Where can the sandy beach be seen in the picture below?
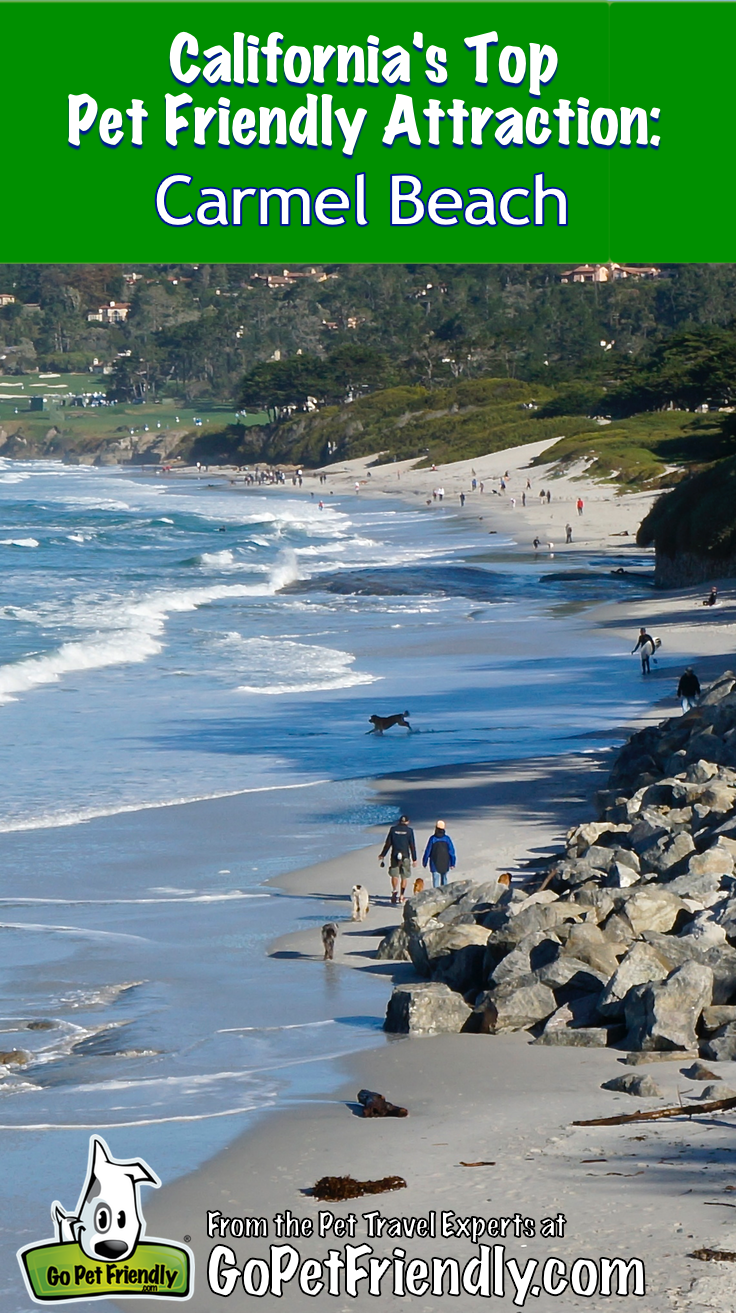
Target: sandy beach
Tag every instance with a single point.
(503, 1107)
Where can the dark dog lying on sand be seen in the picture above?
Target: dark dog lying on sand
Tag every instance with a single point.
(329, 935)
(380, 723)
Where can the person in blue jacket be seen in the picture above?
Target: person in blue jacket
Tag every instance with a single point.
(439, 854)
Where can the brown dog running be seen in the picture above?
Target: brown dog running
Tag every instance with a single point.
(418, 885)
(380, 723)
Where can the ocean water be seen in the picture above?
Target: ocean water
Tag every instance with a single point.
(166, 641)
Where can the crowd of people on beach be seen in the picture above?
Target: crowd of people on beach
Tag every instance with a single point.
(400, 846)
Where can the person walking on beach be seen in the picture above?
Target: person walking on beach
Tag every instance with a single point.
(580, 504)
(462, 500)
(400, 842)
(645, 645)
(568, 533)
(688, 689)
(523, 499)
(439, 854)
(549, 496)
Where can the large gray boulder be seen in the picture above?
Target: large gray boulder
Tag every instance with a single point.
(599, 857)
(653, 908)
(705, 930)
(719, 690)
(703, 887)
(420, 944)
(514, 1009)
(621, 875)
(674, 950)
(568, 975)
(718, 797)
(462, 970)
(722, 962)
(587, 942)
(450, 939)
(714, 1017)
(644, 1087)
(581, 1011)
(516, 966)
(664, 1015)
(721, 1046)
(640, 965)
(583, 837)
(666, 852)
(425, 906)
(579, 1037)
(394, 947)
(425, 1009)
(716, 861)
(536, 919)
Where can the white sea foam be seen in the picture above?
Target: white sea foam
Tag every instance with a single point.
(219, 560)
(97, 997)
(69, 930)
(18, 542)
(297, 1025)
(81, 816)
(141, 1121)
(278, 666)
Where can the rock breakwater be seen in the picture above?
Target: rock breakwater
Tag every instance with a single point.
(631, 938)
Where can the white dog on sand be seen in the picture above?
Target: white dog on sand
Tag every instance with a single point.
(361, 902)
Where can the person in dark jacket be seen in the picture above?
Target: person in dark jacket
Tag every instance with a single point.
(688, 689)
(400, 842)
(645, 643)
(439, 854)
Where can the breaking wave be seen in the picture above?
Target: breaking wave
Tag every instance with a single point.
(132, 630)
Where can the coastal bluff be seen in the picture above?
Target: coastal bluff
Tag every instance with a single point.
(630, 939)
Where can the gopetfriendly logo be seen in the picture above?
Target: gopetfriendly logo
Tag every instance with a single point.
(99, 1250)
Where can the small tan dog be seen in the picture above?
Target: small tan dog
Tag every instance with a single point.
(418, 885)
(361, 902)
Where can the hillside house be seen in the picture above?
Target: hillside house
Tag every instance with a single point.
(115, 312)
(607, 273)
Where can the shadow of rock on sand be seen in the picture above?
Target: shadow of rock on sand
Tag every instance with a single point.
(558, 787)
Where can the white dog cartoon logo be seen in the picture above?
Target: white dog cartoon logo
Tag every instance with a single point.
(108, 1221)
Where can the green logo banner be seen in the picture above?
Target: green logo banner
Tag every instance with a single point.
(367, 133)
(58, 1272)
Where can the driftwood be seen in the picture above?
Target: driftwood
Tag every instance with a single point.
(482, 1163)
(344, 1187)
(657, 1114)
(374, 1105)
(714, 1255)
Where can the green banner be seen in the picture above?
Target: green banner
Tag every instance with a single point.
(367, 133)
(57, 1272)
